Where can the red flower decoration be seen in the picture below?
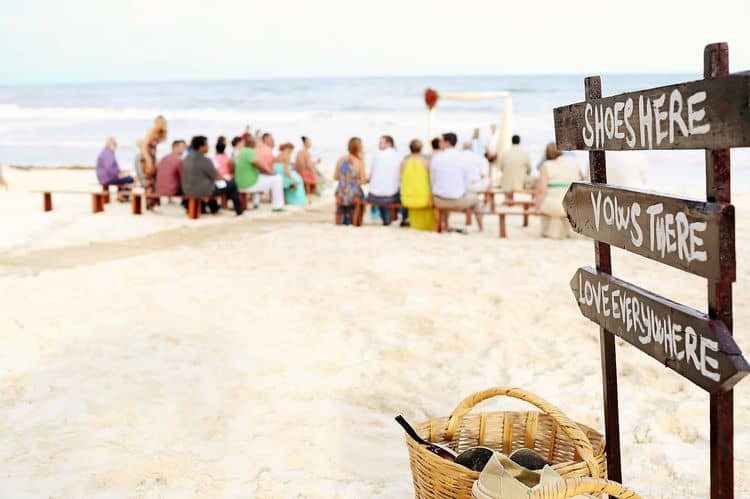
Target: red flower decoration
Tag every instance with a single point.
(430, 98)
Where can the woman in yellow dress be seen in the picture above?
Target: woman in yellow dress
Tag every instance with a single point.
(416, 195)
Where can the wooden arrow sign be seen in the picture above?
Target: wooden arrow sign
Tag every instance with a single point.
(703, 114)
(685, 340)
(693, 236)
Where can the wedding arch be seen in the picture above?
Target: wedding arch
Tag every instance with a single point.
(431, 98)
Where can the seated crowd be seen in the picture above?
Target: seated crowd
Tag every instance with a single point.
(187, 171)
(449, 179)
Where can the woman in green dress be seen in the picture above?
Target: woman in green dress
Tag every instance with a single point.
(294, 187)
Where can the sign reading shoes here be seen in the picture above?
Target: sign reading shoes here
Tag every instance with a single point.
(705, 114)
(690, 235)
(685, 340)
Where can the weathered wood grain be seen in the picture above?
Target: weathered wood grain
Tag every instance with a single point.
(694, 236)
(687, 341)
(726, 122)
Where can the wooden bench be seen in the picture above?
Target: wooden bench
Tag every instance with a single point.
(195, 206)
(501, 219)
(489, 198)
(441, 215)
(359, 210)
(98, 198)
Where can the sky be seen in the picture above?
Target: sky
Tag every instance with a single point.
(51, 41)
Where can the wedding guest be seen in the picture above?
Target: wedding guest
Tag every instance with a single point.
(145, 162)
(237, 144)
(169, 171)
(200, 178)
(479, 169)
(221, 160)
(385, 177)
(515, 165)
(264, 150)
(305, 166)
(416, 195)
(108, 171)
(294, 186)
(477, 143)
(254, 177)
(451, 179)
(350, 174)
(555, 176)
(491, 147)
(435, 145)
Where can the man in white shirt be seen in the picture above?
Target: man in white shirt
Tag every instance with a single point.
(451, 176)
(385, 176)
(479, 169)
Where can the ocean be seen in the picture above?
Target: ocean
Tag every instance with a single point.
(67, 124)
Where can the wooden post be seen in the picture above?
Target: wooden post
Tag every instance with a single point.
(718, 189)
(598, 171)
(136, 204)
(194, 208)
(501, 223)
(97, 202)
(47, 196)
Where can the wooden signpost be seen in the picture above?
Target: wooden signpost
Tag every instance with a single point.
(694, 236)
(678, 232)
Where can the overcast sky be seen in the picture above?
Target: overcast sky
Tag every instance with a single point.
(48, 41)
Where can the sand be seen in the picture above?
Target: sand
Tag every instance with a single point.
(266, 356)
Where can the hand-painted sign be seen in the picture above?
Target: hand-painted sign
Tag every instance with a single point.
(685, 234)
(704, 114)
(685, 340)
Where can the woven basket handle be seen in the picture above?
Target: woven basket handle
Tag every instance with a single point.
(579, 439)
(576, 486)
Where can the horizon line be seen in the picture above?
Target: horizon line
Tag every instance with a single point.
(322, 77)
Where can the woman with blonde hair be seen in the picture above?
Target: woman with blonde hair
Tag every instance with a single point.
(350, 173)
(416, 195)
(555, 176)
(145, 161)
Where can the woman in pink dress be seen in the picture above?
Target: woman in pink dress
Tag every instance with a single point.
(221, 160)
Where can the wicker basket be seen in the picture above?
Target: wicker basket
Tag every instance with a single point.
(576, 486)
(574, 450)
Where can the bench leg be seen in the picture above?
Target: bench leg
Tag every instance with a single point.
(525, 220)
(501, 224)
(224, 201)
(394, 214)
(136, 204)
(438, 221)
(105, 191)
(194, 208)
(97, 202)
(47, 201)
(358, 214)
(468, 217)
(243, 200)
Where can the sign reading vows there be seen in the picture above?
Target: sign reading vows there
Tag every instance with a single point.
(704, 114)
(685, 340)
(685, 234)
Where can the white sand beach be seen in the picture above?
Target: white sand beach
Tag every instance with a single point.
(266, 355)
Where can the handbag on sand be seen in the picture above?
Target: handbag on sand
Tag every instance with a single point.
(573, 450)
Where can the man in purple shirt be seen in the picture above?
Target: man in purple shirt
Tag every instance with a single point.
(108, 171)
